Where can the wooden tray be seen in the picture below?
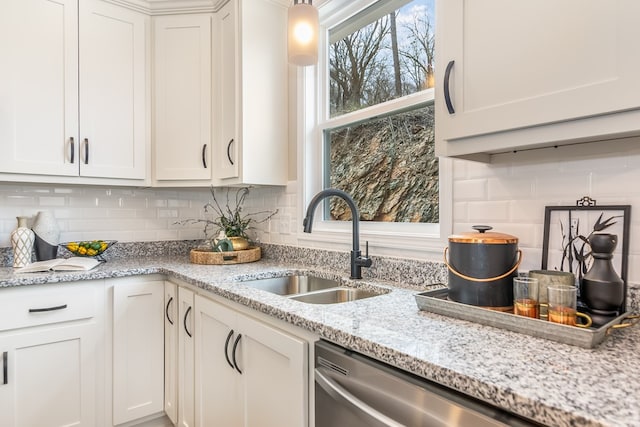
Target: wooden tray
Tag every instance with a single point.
(437, 301)
(251, 254)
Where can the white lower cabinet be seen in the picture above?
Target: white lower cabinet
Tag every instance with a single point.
(138, 349)
(171, 351)
(51, 355)
(186, 338)
(247, 373)
(123, 351)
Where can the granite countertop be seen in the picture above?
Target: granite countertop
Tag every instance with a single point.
(554, 384)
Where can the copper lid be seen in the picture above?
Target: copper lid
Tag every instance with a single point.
(483, 236)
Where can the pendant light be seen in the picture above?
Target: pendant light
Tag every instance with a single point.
(302, 31)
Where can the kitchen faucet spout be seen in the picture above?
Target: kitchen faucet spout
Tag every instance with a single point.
(357, 260)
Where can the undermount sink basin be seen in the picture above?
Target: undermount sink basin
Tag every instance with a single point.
(292, 285)
(334, 296)
(312, 290)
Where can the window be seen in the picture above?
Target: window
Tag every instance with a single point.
(373, 132)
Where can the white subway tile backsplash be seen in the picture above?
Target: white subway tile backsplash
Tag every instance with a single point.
(168, 213)
(549, 187)
(78, 201)
(488, 212)
(19, 200)
(460, 212)
(178, 203)
(51, 201)
(121, 213)
(471, 189)
(526, 211)
(510, 189)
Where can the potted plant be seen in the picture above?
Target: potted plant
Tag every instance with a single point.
(229, 223)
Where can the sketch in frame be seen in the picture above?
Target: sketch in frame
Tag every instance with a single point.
(568, 228)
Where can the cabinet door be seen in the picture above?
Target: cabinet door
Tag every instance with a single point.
(226, 155)
(186, 388)
(182, 97)
(252, 145)
(39, 87)
(50, 376)
(171, 351)
(520, 64)
(218, 394)
(274, 376)
(138, 343)
(113, 122)
(263, 147)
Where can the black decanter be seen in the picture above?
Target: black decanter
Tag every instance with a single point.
(602, 289)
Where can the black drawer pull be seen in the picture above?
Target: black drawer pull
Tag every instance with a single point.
(5, 370)
(447, 94)
(86, 151)
(185, 321)
(40, 310)
(235, 346)
(226, 348)
(73, 150)
(204, 156)
(166, 311)
(229, 151)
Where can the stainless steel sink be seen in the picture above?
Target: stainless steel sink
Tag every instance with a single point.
(291, 285)
(336, 295)
(311, 289)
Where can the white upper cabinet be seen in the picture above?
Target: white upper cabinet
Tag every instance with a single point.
(113, 66)
(73, 89)
(251, 125)
(39, 87)
(516, 75)
(182, 97)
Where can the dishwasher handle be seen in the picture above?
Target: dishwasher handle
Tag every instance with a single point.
(339, 393)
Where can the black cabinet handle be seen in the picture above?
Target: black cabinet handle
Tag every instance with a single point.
(72, 156)
(86, 151)
(5, 370)
(166, 310)
(229, 151)
(185, 321)
(235, 347)
(40, 310)
(447, 95)
(226, 348)
(204, 159)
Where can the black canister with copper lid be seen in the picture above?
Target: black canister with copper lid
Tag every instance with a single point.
(482, 265)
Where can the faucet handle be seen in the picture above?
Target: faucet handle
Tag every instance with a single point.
(365, 261)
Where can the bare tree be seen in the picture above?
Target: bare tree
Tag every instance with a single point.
(394, 54)
(419, 53)
(353, 63)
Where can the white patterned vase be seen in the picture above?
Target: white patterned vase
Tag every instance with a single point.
(47, 236)
(22, 239)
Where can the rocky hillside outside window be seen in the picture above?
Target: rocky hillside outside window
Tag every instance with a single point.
(379, 128)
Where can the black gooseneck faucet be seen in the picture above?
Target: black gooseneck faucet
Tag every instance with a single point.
(357, 260)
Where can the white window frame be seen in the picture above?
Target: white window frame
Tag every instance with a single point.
(407, 240)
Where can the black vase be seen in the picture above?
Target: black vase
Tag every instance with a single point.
(602, 289)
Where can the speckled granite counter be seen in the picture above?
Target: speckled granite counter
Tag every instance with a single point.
(552, 383)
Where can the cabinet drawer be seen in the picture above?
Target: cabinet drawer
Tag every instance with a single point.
(23, 307)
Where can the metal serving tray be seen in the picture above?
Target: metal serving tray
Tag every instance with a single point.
(436, 301)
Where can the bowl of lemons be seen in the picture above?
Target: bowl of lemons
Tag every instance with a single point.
(89, 248)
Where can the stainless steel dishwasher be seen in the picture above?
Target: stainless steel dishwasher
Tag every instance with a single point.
(354, 390)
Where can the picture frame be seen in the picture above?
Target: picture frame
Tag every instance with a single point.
(566, 231)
